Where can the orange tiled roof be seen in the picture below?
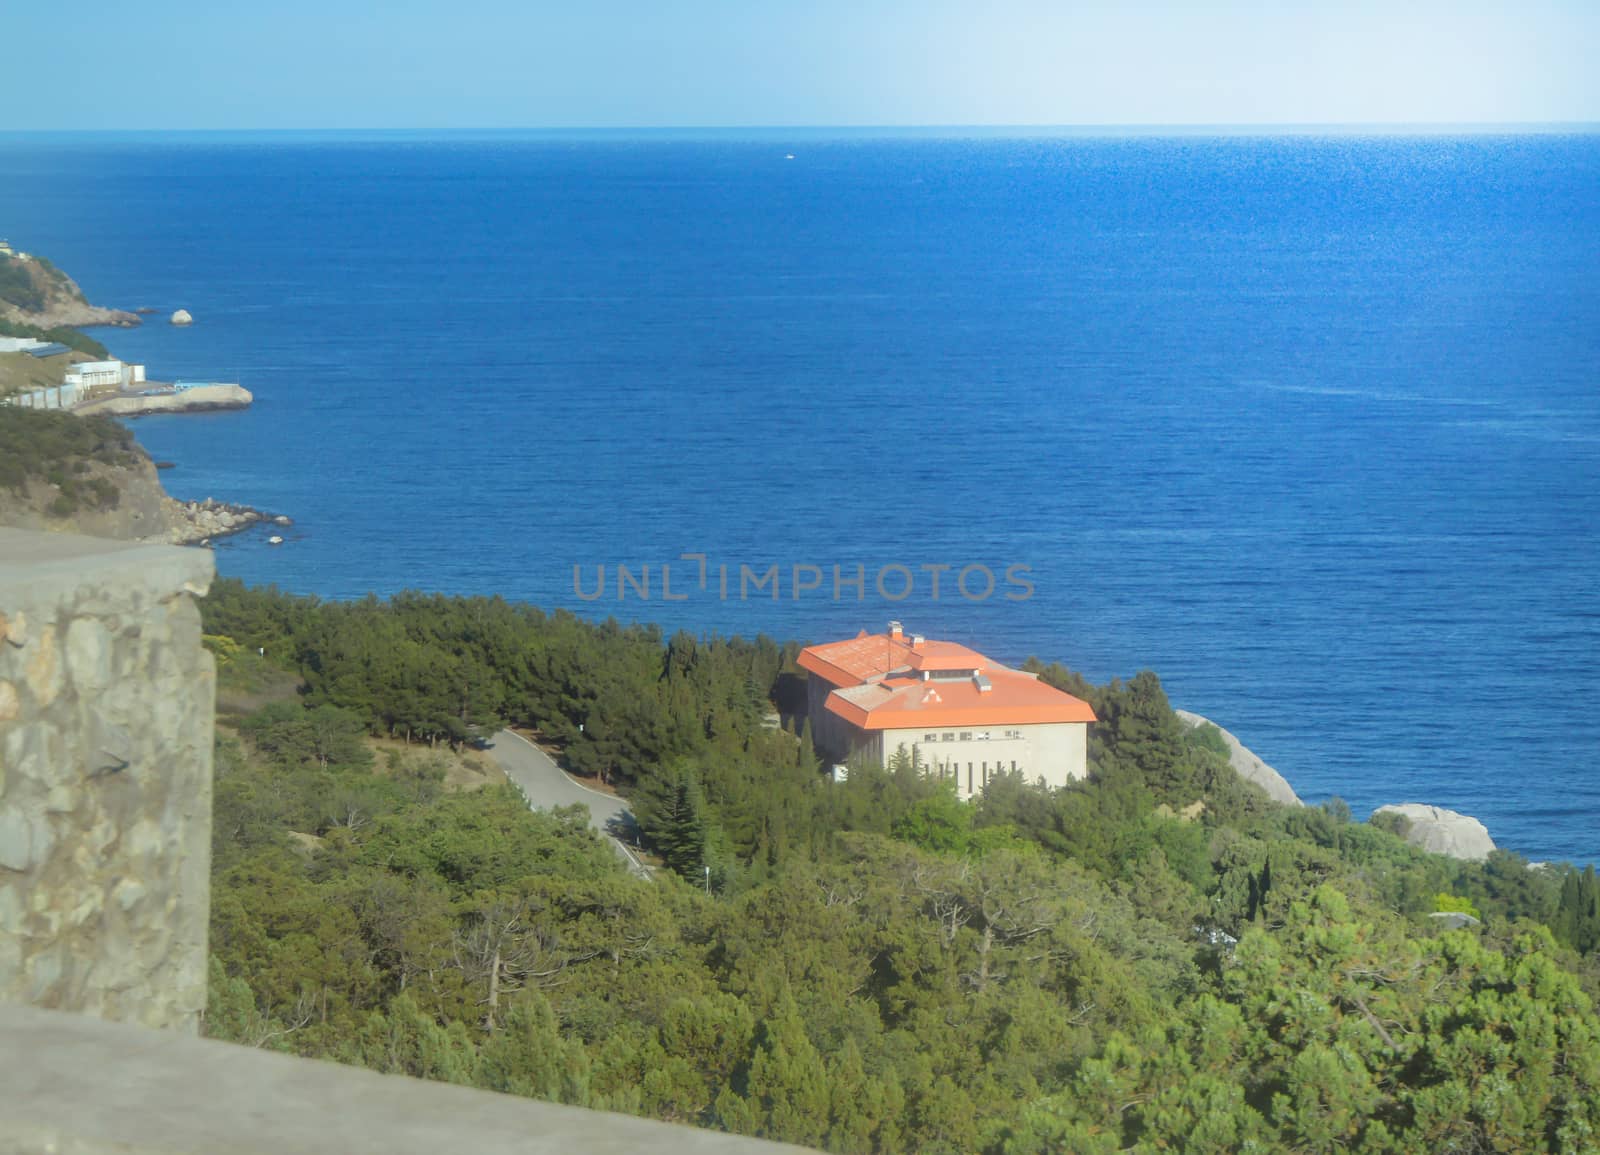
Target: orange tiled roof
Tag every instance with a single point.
(870, 699)
(856, 660)
(945, 656)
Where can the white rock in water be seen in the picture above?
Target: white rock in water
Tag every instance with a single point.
(274, 540)
(181, 317)
(1441, 831)
(1245, 763)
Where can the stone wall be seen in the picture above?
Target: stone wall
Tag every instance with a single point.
(106, 700)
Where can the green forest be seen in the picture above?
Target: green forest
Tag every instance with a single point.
(869, 965)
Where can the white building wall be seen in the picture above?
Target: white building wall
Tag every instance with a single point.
(99, 372)
(54, 397)
(1057, 752)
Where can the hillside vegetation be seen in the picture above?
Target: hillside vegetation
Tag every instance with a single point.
(871, 965)
(60, 334)
(68, 454)
(32, 285)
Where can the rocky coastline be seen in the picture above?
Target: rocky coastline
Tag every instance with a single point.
(1430, 828)
(1441, 831)
(72, 315)
(143, 510)
(56, 300)
(202, 522)
(1245, 763)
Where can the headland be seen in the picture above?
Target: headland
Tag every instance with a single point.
(71, 467)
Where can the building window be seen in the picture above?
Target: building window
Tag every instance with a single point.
(930, 737)
(949, 736)
(966, 735)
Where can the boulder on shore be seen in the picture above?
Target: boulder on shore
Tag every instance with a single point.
(182, 317)
(1246, 764)
(1440, 831)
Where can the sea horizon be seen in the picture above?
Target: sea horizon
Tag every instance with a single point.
(764, 132)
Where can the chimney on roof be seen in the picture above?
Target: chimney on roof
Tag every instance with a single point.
(894, 630)
(981, 682)
(916, 641)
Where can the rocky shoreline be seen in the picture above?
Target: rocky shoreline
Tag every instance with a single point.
(73, 315)
(202, 522)
(1430, 828)
(1245, 763)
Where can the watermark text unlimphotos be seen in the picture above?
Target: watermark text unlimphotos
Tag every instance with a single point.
(693, 575)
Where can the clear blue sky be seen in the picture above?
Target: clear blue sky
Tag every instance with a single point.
(586, 63)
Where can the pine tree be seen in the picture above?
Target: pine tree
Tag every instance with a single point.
(528, 1056)
(788, 1082)
(806, 758)
(671, 811)
(1577, 918)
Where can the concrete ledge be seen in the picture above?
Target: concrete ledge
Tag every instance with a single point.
(70, 1083)
(198, 399)
(45, 570)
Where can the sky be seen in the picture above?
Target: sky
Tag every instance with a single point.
(440, 64)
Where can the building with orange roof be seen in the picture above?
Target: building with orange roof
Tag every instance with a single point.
(964, 716)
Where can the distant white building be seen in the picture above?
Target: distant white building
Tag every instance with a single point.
(96, 374)
(92, 373)
(20, 344)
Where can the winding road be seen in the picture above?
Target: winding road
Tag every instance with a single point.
(546, 786)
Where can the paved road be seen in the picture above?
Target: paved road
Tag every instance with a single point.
(546, 786)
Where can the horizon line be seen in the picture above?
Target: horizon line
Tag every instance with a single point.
(1424, 127)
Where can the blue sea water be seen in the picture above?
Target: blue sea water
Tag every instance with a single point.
(1307, 424)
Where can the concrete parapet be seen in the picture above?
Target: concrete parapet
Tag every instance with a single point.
(74, 1084)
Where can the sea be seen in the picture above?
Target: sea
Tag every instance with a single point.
(1306, 422)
